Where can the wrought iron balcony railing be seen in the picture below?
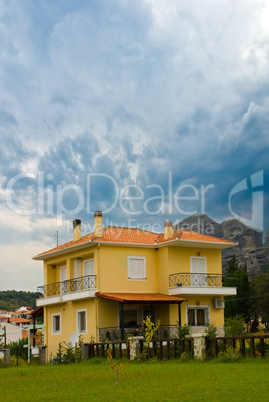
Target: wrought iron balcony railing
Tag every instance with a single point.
(68, 286)
(195, 279)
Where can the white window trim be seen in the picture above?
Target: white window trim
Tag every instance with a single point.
(137, 258)
(201, 307)
(80, 311)
(52, 324)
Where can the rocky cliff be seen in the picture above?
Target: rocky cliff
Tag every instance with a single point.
(250, 248)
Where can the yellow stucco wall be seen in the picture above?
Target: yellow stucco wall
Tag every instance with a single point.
(179, 259)
(114, 273)
(216, 316)
(68, 312)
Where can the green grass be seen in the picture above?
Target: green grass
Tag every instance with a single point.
(172, 380)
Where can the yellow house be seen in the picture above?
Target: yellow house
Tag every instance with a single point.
(105, 283)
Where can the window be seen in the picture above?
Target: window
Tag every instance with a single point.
(82, 321)
(197, 316)
(136, 268)
(56, 323)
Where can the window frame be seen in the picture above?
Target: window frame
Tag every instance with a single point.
(206, 309)
(53, 316)
(83, 310)
(137, 278)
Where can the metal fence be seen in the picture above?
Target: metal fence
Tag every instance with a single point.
(68, 286)
(195, 279)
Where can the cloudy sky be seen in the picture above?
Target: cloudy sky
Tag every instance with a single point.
(145, 109)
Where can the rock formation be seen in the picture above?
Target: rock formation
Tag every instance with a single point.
(250, 248)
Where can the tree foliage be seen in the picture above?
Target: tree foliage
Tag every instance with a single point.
(259, 294)
(11, 300)
(237, 277)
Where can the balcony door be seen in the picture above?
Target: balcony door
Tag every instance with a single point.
(198, 271)
(63, 279)
(88, 273)
(77, 283)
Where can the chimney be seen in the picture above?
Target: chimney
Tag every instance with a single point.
(98, 225)
(168, 230)
(76, 229)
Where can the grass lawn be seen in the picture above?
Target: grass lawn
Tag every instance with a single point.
(172, 380)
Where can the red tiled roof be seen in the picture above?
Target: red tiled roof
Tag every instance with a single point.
(140, 297)
(19, 320)
(138, 236)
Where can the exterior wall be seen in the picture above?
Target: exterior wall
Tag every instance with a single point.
(179, 259)
(68, 313)
(108, 311)
(163, 313)
(114, 273)
(13, 332)
(216, 316)
(162, 272)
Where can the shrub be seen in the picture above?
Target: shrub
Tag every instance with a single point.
(183, 331)
(230, 355)
(235, 325)
(211, 331)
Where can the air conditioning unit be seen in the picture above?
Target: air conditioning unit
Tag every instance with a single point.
(219, 303)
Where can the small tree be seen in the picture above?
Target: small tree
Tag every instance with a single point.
(151, 329)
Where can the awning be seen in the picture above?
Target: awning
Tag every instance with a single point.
(38, 312)
(141, 297)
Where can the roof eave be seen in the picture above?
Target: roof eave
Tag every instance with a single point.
(202, 243)
(178, 242)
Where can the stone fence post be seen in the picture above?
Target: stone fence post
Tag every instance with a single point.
(7, 357)
(134, 346)
(42, 355)
(85, 351)
(199, 346)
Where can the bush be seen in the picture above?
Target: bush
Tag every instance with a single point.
(230, 355)
(183, 331)
(235, 325)
(67, 354)
(211, 331)
(18, 349)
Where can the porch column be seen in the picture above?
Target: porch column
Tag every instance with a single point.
(179, 313)
(34, 331)
(152, 312)
(121, 321)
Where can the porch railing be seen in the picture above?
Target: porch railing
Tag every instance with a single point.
(195, 279)
(69, 286)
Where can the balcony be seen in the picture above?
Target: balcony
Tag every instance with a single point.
(198, 284)
(72, 289)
